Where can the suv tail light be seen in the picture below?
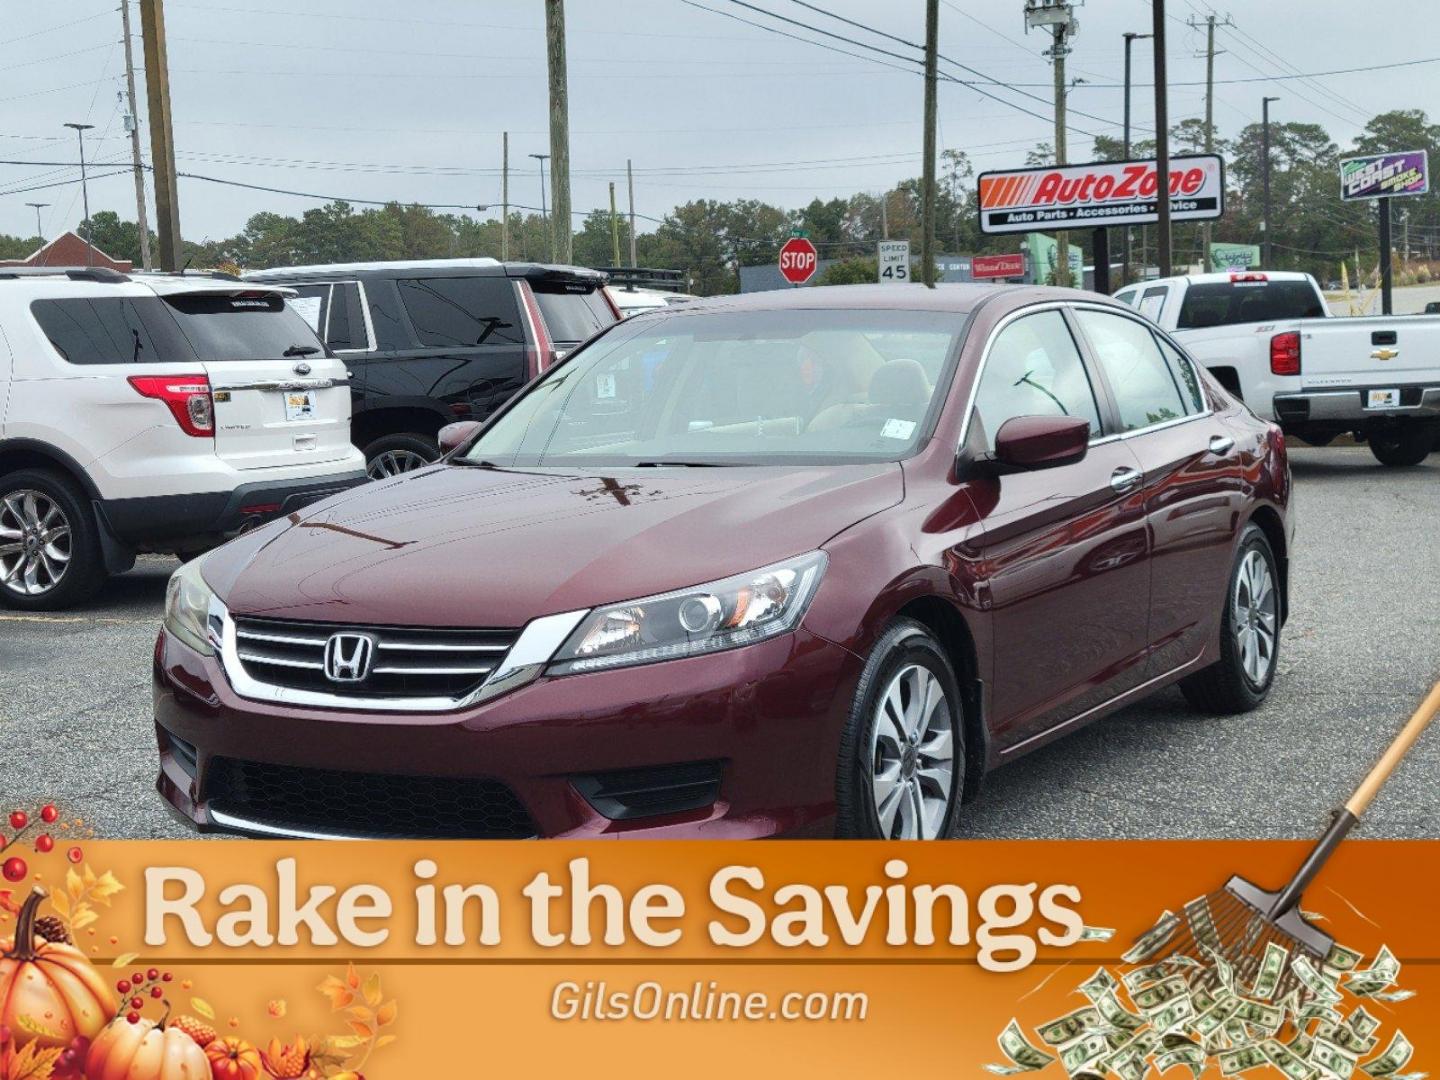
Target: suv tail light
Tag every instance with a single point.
(1285, 354)
(540, 350)
(187, 396)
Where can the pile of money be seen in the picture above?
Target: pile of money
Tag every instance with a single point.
(1198, 1012)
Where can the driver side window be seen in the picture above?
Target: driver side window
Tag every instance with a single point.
(1034, 369)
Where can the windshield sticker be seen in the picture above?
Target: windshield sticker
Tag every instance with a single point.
(605, 387)
(898, 429)
(308, 308)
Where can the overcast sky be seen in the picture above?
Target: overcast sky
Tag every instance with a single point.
(406, 99)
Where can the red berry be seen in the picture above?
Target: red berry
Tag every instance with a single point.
(75, 854)
(19, 819)
(138, 978)
(152, 974)
(44, 843)
(123, 986)
(49, 814)
(133, 1017)
(156, 992)
(166, 977)
(137, 1002)
(15, 869)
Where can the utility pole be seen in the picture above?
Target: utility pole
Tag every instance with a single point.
(630, 183)
(927, 203)
(544, 214)
(1210, 25)
(559, 131)
(1162, 143)
(39, 231)
(1130, 39)
(505, 196)
(1059, 17)
(885, 215)
(1267, 252)
(614, 229)
(162, 133)
(80, 130)
(132, 122)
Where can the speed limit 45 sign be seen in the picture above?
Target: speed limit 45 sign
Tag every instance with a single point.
(894, 261)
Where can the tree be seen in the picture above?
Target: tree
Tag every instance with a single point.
(856, 270)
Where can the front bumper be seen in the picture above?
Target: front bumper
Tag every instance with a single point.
(767, 716)
(218, 515)
(1348, 405)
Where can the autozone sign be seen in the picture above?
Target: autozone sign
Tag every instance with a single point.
(1099, 195)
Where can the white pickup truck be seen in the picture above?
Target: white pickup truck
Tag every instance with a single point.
(1268, 338)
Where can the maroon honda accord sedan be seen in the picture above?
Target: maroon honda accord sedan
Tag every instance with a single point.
(797, 563)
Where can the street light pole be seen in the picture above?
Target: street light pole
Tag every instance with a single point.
(1162, 143)
(1130, 38)
(39, 232)
(544, 214)
(1268, 253)
(80, 130)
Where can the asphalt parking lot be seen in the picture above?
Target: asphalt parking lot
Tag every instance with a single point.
(1361, 648)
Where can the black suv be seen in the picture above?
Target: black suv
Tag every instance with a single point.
(431, 342)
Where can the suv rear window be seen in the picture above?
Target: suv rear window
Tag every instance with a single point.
(462, 312)
(1224, 303)
(572, 315)
(130, 330)
(223, 326)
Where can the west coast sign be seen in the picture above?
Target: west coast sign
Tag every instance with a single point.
(1099, 195)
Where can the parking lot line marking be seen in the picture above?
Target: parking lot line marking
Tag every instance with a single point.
(73, 619)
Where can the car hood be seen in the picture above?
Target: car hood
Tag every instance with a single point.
(458, 546)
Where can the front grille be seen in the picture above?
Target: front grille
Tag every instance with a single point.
(366, 804)
(407, 662)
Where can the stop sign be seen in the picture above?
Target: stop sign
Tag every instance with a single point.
(798, 259)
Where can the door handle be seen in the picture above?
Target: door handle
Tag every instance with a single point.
(1221, 444)
(1126, 479)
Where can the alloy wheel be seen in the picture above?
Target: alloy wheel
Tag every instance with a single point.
(35, 542)
(395, 462)
(1256, 617)
(912, 756)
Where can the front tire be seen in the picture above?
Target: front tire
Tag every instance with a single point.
(1249, 634)
(902, 754)
(50, 555)
(1403, 445)
(394, 455)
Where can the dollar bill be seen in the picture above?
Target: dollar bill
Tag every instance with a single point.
(1116, 1015)
(1302, 1044)
(1267, 1017)
(1173, 1015)
(1162, 993)
(1272, 966)
(1102, 982)
(1241, 1059)
(1202, 923)
(1319, 987)
(1342, 959)
(1153, 940)
(1097, 933)
(1381, 974)
(1069, 1027)
(1346, 1038)
(1287, 1061)
(1141, 976)
(1023, 1057)
(1192, 1056)
(1361, 1022)
(1083, 1052)
(1390, 996)
(1396, 1056)
(1223, 971)
(1213, 1019)
(1335, 1060)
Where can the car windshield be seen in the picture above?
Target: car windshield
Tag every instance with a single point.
(731, 388)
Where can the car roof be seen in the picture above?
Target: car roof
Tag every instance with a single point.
(460, 267)
(960, 299)
(83, 281)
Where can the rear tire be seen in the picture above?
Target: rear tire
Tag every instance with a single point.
(50, 555)
(1403, 445)
(394, 455)
(1249, 643)
(902, 766)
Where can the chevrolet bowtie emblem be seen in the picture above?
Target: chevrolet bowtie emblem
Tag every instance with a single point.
(1385, 354)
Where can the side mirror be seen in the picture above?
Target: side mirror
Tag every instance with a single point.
(1041, 442)
(456, 434)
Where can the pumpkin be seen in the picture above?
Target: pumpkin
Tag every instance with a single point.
(233, 1059)
(145, 1050)
(49, 993)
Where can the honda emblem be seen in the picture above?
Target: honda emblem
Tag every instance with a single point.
(348, 657)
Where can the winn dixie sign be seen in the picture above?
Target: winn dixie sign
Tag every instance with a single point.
(1099, 195)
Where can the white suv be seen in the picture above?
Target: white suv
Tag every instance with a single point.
(159, 413)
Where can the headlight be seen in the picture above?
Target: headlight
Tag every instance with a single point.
(187, 609)
(723, 615)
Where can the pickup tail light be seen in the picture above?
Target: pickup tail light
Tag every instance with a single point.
(187, 397)
(1285, 354)
(540, 351)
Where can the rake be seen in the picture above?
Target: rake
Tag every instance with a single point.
(1238, 922)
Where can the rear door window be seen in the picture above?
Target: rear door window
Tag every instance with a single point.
(345, 324)
(1227, 303)
(572, 316)
(1152, 300)
(462, 312)
(224, 326)
(111, 330)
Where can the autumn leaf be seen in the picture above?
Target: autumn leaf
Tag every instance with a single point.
(352, 977)
(35, 1027)
(361, 1013)
(73, 885)
(88, 876)
(386, 1013)
(105, 888)
(33, 1063)
(203, 1007)
(372, 990)
(84, 915)
(60, 902)
(384, 1040)
(124, 959)
(365, 1031)
(344, 1042)
(339, 994)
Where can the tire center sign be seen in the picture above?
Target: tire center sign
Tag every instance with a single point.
(1099, 195)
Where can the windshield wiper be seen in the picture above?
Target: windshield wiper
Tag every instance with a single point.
(680, 465)
(300, 350)
(473, 464)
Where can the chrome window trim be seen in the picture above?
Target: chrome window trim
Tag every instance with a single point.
(526, 660)
(1073, 305)
(365, 314)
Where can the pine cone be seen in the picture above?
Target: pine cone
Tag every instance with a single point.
(52, 929)
(201, 1032)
